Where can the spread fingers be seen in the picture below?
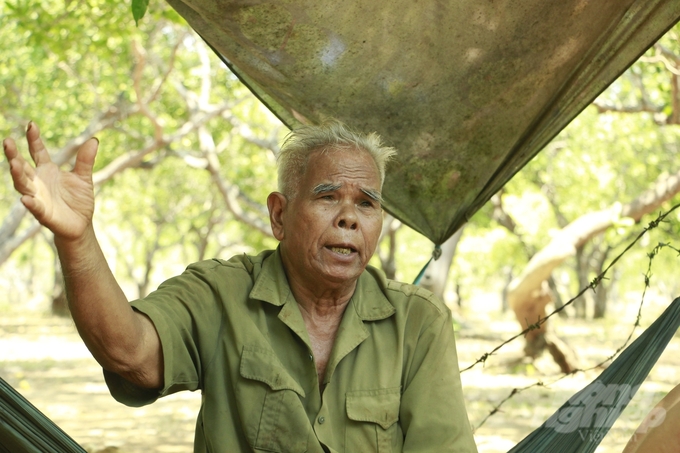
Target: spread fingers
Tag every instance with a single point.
(10, 149)
(85, 158)
(35, 145)
(22, 174)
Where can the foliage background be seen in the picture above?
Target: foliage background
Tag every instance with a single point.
(70, 64)
(161, 102)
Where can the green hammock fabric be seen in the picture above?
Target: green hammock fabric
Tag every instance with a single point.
(577, 427)
(24, 429)
(581, 423)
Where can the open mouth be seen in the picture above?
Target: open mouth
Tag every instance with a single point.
(342, 250)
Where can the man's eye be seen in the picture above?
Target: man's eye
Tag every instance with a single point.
(367, 204)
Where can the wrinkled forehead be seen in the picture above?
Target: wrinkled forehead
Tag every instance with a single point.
(330, 165)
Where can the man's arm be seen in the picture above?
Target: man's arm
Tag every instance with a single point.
(120, 339)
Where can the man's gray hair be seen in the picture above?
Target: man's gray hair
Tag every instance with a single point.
(300, 143)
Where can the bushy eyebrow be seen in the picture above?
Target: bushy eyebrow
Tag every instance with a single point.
(375, 195)
(322, 188)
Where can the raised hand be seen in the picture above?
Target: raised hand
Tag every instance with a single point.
(60, 200)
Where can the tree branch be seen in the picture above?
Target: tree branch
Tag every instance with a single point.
(13, 242)
(140, 62)
(563, 245)
(9, 239)
(230, 192)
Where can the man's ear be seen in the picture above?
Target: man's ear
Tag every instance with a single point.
(276, 203)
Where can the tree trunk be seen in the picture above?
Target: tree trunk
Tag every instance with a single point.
(59, 305)
(388, 261)
(59, 300)
(437, 272)
(580, 304)
(389, 264)
(602, 291)
(600, 302)
(504, 294)
(529, 294)
(556, 296)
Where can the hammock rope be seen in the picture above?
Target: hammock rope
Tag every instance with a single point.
(436, 253)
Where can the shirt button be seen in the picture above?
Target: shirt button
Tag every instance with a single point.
(311, 357)
(321, 420)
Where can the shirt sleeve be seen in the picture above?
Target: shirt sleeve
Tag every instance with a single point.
(432, 413)
(187, 317)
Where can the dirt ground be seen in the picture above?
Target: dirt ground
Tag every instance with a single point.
(43, 358)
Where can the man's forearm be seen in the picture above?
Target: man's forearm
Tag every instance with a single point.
(121, 340)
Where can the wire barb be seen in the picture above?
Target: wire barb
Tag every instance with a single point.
(593, 284)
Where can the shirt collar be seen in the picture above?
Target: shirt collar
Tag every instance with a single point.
(271, 283)
(369, 300)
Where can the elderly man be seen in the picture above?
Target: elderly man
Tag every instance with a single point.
(302, 349)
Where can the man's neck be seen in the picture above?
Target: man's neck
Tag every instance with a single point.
(322, 317)
(320, 299)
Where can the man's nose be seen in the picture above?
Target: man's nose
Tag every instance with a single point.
(347, 217)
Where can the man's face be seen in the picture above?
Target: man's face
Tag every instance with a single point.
(330, 230)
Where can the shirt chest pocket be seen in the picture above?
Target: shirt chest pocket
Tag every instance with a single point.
(268, 399)
(373, 421)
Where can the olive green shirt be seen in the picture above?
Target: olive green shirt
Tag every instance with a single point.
(234, 330)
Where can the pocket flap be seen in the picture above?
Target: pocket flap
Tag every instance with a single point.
(262, 365)
(379, 406)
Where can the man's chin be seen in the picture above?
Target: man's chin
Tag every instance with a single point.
(343, 274)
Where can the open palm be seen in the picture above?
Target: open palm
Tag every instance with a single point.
(60, 200)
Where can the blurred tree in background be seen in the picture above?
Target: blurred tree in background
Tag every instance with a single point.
(582, 200)
(187, 154)
(187, 158)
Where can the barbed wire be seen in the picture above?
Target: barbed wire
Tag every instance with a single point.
(593, 284)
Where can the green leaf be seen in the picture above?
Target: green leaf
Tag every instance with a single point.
(139, 9)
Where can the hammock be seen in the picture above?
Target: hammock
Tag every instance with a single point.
(24, 429)
(583, 421)
(577, 427)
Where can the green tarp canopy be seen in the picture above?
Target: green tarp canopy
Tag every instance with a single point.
(468, 91)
